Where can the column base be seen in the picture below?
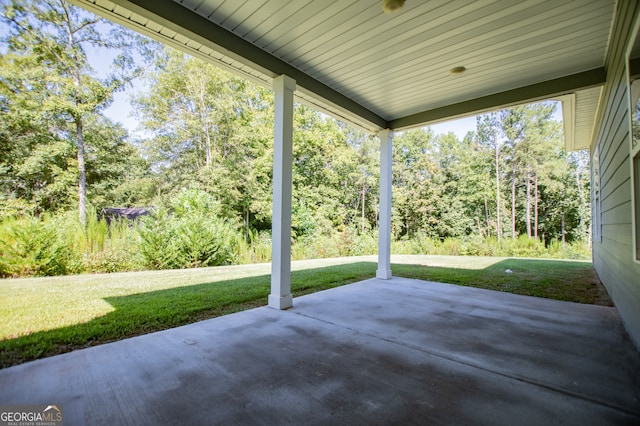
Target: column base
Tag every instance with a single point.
(384, 274)
(280, 302)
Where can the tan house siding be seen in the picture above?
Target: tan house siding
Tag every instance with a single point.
(613, 255)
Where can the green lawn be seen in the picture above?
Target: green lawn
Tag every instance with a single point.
(40, 317)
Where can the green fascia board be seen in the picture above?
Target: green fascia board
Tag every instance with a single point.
(539, 91)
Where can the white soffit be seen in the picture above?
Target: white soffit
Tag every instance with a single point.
(381, 70)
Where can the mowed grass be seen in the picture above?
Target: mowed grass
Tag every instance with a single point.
(46, 316)
(568, 280)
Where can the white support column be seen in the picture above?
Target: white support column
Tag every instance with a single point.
(384, 230)
(280, 297)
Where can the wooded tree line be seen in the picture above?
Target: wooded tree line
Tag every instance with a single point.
(509, 177)
(207, 130)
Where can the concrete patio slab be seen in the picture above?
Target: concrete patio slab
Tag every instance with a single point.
(377, 352)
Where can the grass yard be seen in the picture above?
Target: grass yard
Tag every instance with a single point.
(41, 317)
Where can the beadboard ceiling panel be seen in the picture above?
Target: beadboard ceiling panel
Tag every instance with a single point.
(378, 70)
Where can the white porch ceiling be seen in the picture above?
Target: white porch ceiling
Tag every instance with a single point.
(380, 70)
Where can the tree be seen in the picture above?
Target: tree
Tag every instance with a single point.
(116, 173)
(335, 176)
(580, 166)
(541, 177)
(533, 141)
(418, 184)
(210, 127)
(55, 36)
(489, 134)
(468, 185)
(368, 153)
(38, 158)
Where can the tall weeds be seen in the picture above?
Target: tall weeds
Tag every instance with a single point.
(59, 245)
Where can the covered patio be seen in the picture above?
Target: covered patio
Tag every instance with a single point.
(386, 66)
(396, 351)
(390, 65)
(386, 350)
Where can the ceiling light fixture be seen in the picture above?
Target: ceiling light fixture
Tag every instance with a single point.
(390, 6)
(457, 70)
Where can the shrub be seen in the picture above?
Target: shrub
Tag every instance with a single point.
(96, 234)
(205, 241)
(195, 201)
(158, 246)
(523, 246)
(34, 247)
(348, 242)
(315, 246)
(576, 250)
(111, 260)
(190, 241)
(423, 244)
(403, 246)
(475, 245)
(450, 246)
(364, 243)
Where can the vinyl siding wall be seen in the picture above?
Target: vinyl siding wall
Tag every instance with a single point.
(613, 253)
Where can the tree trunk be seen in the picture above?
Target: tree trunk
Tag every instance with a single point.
(208, 155)
(205, 123)
(407, 222)
(535, 210)
(582, 203)
(513, 203)
(562, 206)
(82, 171)
(246, 224)
(82, 175)
(376, 205)
(528, 202)
(486, 216)
(364, 187)
(498, 224)
(563, 239)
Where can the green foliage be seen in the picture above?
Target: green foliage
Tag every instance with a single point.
(96, 235)
(33, 247)
(111, 260)
(51, 105)
(211, 132)
(474, 245)
(194, 201)
(205, 241)
(524, 246)
(348, 242)
(255, 249)
(105, 248)
(158, 242)
(192, 236)
(60, 245)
